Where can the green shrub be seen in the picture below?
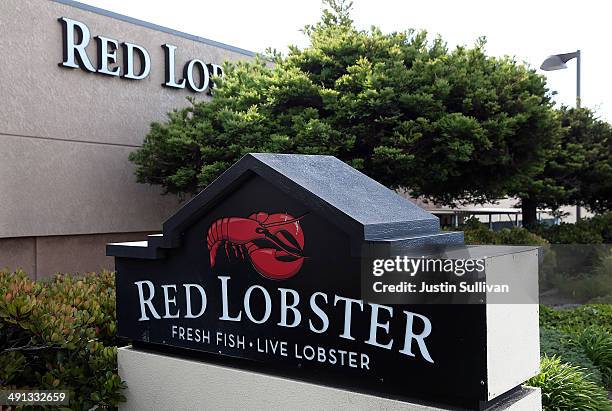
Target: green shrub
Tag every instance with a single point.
(584, 287)
(575, 320)
(594, 230)
(557, 343)
(564, 387)
(605, 266)
(597, 344)
(603, 224)
(581, 287)
(476, 232)
(568, 233)
(588, 327)
(519, 236)
(61, 335)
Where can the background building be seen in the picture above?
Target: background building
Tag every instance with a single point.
(504, 213)
(66, 185)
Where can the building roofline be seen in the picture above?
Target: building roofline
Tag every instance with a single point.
(153, 26)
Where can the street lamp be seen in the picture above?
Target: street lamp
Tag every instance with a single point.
(557, 62)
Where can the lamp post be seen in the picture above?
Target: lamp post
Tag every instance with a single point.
(557, 62)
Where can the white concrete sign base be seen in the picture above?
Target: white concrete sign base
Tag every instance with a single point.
(162, 382)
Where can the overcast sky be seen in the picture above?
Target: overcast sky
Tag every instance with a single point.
(529, 30)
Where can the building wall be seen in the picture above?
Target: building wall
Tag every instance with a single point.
(42, 257)
(66, 185)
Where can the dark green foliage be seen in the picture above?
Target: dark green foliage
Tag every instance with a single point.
(448, 124)
(565, 387)
(578, 169)
(596, 342)
(565, 233)
(585, 161)
(602, 223)
(582, 264)
(582, 232)
(575, 320)
(586, 286)
(594, 230)
(580, 336)
(554, 342)
(585, 259)
(581, 269)
(519, 236)
(476, 232)
(61, 335)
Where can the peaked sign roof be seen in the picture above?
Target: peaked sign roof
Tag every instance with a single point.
(357, 204)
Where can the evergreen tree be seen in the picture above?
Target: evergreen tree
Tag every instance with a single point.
(451, 125)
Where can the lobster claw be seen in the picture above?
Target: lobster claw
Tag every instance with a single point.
(275, 264)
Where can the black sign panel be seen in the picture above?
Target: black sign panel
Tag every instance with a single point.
(264, 278)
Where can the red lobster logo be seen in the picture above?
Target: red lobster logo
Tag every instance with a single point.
(274, 243)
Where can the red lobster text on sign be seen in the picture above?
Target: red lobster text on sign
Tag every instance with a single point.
(274, 243)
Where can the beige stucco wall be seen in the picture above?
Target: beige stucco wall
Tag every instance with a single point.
(18, 253)
(42, 257)
(65, 134)
(85, 184)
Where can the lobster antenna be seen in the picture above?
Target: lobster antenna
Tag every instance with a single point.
(285, 222)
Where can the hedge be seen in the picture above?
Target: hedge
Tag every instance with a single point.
(60, 334)
(477, 233)
(594, 230)
(565, 387)
(576, 333)
(575, 320)
(581, 268)
(557, 343)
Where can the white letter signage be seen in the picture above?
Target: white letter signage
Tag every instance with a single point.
(129, 60)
